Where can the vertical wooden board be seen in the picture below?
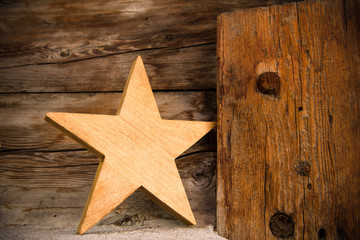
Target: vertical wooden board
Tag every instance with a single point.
(330, 120)
(288, 153)
(257, 135)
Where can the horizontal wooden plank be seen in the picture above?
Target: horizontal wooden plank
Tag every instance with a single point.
(47, 169)
(188, 68)
(31, 170)
(22, 125)
(49, 181)
(62, 31)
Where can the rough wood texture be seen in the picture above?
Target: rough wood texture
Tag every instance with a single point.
(58, 193)
(288, 156)
(22, 125)
(169, 69)
(62, 31)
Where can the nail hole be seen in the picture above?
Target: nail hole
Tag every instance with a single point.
(169, 37)
(269, 84)
(341, 233)
(282, 225)
(322, 233)
(300, 109)
(330, 119)
(303, 169)
(309, 186)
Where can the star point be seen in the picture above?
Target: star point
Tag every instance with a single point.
(137, 149)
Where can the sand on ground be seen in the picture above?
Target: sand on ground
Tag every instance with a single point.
(110, 232)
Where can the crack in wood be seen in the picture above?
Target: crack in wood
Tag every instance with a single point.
(108, 55)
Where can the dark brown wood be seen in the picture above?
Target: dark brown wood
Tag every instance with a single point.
(65, 179)
(63, 31)
(168, 69)
(288, 150)
(22, 115)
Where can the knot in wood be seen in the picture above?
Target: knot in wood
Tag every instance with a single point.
(303, 169)
(169, 37)
(65, 53)
(282, 225)
(269, 83)
(204, 174)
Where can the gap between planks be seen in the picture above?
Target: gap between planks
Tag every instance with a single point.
(90, 92)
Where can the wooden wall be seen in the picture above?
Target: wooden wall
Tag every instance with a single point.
(74, 56)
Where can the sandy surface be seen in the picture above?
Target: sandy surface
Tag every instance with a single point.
(111, 232)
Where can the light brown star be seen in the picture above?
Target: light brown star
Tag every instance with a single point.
(137, 150)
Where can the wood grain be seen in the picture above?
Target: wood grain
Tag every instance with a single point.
(22, 126)
(63, 31)
(168, 69)
(288, 154)
(53, 187)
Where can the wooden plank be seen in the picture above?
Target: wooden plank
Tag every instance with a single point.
(288, 147)
(38, 187)
(62, 31)
(22, 125)
(72, 169)
(188, 68)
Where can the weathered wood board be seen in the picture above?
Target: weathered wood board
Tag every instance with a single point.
(59, 191)
(288, 147)
(75, 56)
(22, 125)
(191, 68)
(61, 31)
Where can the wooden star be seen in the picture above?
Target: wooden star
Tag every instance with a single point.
(137, 150)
